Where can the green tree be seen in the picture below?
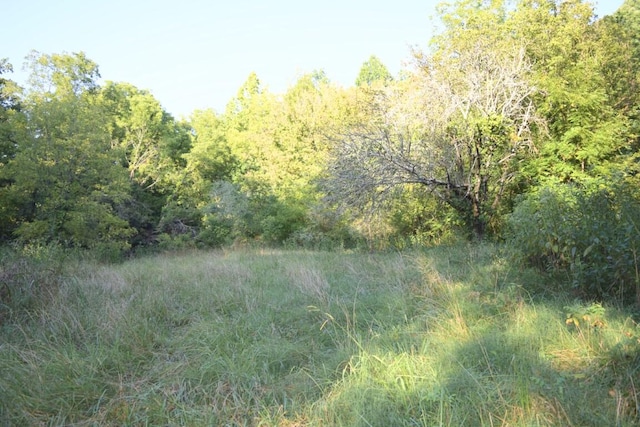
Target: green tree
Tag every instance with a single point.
(579, 213)
(210, 158)
(208, 164)
(373, 70)
(628, 16)
(572, 52)
(260, 140)
(9, 108)
(65, 176)
(149, 138)
(260, 158)
(622, 72)
(151, 144)
(12, 134)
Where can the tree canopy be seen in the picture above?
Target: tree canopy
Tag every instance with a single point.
(373, 70)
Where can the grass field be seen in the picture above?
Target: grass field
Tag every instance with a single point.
(449, 336)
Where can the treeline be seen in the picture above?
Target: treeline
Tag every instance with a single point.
(520, 122)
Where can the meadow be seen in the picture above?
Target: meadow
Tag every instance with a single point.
(445, 336)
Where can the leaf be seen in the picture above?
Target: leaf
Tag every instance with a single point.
(588, 250)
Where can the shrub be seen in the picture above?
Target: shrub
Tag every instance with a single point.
(226, 216)
(234, 214)
(589, 231)
(420, 219)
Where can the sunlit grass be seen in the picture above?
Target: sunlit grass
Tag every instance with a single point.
(442, 337)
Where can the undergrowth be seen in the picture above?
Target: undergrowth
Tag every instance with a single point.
(447, 336)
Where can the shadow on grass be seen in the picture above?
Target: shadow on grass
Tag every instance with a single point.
(481, 350)
(511, 379)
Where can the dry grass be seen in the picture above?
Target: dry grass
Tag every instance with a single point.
(310, 281)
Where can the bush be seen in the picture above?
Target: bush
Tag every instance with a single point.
(590, 232)
(417, 219)
(226, 216)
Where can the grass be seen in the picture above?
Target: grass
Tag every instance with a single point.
(448, 336)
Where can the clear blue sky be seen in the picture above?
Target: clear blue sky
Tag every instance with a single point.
(195, 54)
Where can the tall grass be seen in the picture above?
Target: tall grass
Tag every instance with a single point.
(442, 337)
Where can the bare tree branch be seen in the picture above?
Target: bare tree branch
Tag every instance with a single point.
(455, 127)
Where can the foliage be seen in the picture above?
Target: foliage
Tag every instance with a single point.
(210, 158)
(9, 108)
(589, 232)
(227, 216)
(574, 59)
(623, 76)
(66, 182)
(509, 96)
(251, 171)
(459, 134)
(151, 143)
(418, 219)
(373, 70)
(150, 146)
(12, 133)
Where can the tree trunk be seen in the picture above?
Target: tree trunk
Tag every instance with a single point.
(478, 223)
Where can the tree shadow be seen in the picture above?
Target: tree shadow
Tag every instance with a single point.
(479, 349)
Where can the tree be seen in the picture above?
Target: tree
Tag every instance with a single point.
(628, 16)
(252, 170)
(9, 109)
(150, 140)
(151, 145)
(272, 156)
(622, 74)
(247, 126)
(210, 157)
(572, 54)
(208, 162)
(373, 70)
(12, 134)
(458, 125)
(66, 180)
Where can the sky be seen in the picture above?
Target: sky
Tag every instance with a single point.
(196, 54)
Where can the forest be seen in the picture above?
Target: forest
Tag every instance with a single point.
(457, 244)
(519, 122)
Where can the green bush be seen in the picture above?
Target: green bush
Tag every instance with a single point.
(226, 216)
(233, 214)
(589, 232)
(417, 219)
